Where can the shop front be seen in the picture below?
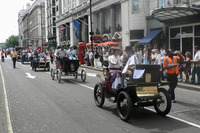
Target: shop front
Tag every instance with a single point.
(184, 27)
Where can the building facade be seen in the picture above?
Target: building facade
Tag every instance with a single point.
(50, 22)
(33, 26)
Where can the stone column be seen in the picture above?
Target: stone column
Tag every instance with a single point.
(85, 30)
(102, 21)
(72, 33)
(113, 19)
(125, 24)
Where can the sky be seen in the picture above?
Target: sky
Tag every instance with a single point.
(9, 15)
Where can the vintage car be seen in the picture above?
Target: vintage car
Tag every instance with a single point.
(67, 68)
(142, 92)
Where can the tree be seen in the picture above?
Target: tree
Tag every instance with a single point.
(12, 41)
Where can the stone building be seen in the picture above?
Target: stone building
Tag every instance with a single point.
(147, 22)
(33, 25)
(50, 24)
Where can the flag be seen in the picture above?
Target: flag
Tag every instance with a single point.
(77, 25)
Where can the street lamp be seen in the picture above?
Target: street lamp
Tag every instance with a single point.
(91, 33)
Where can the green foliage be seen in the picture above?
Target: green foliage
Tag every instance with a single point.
(75, 47)
(136, 46)
(119, 28)
(12, 41)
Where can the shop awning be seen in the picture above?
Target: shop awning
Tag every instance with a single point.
(173, 14)
(149, 37)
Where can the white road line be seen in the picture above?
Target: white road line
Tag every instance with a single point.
(48, 72)
(82, 85)
(91, 74)
(170, 116)
(10, 129)
(178, 119)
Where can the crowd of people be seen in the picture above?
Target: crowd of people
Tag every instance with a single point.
(187, 67)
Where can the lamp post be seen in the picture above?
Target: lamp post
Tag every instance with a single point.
(91, 33)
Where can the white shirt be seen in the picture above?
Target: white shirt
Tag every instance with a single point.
(162, 52)
(114, 58)
(132, 61)
(90, 55)
(197, 58)
(158, 59)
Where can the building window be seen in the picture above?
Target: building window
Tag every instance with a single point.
(136, 34)
(135, 5)
(161, 3)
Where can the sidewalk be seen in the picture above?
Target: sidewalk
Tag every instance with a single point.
(180, 84)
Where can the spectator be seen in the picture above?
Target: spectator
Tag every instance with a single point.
(140, 56)
(96, 57)
(91, 58)
(187, 68)
(106, 55)
(153, 56)
(158, 58)
(196, 68)
(180, 66)
(101, 57)
(162, 52)
(145, 56)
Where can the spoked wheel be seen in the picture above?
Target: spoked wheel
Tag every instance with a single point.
(52, 73)
(163, 104)
(76, 75)
(83, 75)
(59, 76)
(124, 105)
(99, 96)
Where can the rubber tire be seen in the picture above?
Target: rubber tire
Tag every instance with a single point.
(83, 79)
(59, 76)
(100, 103)
(76, 75)
(169, 104)
(130, 106)
(52, 74)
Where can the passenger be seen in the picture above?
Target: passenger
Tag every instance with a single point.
(126, 55)
(115, 68)
(42, 57)
(71, 53)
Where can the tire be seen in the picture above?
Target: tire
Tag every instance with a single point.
(124, 106)
(76, 75)
(163, 104)
(52, 74)
(59, 76)
(99, 95)
(83, 75)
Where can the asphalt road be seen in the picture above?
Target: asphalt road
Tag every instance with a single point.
(41, 105)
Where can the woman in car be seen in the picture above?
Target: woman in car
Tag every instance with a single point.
(115, 68)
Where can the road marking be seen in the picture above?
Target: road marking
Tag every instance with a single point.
(82, 85)
(24, 66)
(170, 116)
(10, 129)
(28, 75)
(178, 119)
(48, 72)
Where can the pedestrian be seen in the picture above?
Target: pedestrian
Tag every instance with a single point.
(51, 56)
(196, 67)
(170, 66)
(187, 68)
(96, 57)
(180, 66)
(158, 58)
(153, 56)
(106, 55)
(14, 57)
(6, 53)
(145, 56)
(140, 56)
(101, 58)
(2, 56)
(162, 52)
(91, 57)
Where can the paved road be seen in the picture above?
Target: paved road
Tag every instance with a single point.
(41, 105)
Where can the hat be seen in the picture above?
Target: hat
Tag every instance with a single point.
(128, 48)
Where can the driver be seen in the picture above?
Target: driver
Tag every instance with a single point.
(61, 54)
